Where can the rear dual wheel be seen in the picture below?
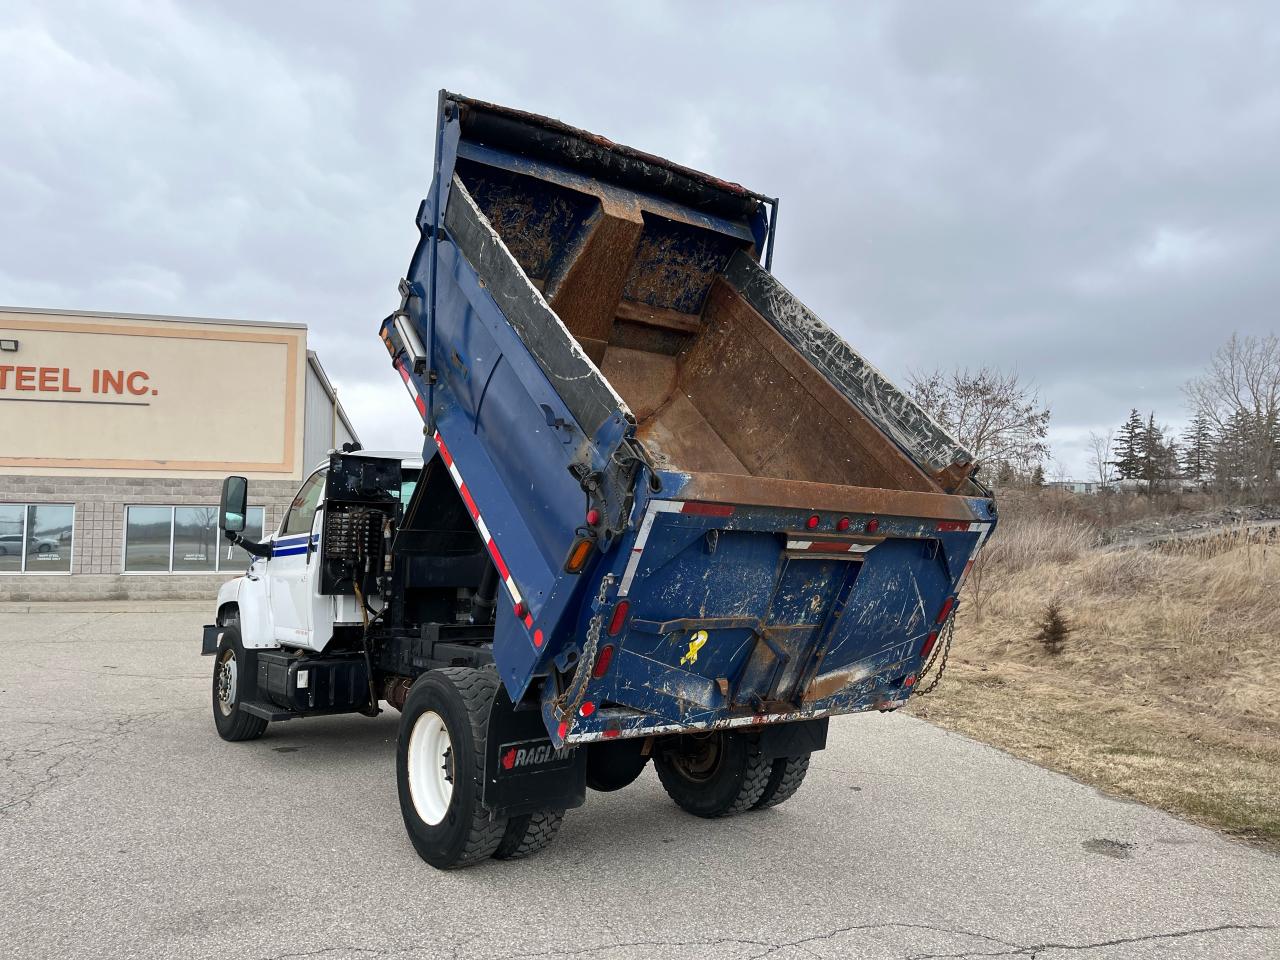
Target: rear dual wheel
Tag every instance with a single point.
(721, 774)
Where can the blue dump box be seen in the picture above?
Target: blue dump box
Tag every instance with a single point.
(706, 508)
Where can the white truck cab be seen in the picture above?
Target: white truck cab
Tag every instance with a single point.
(278, 601)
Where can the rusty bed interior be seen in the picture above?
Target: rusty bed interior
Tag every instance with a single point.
(714, 387)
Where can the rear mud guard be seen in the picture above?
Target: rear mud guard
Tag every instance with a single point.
(793, 739)
(524, 772)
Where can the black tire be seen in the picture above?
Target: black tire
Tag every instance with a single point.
(719, 774)
(528, 833)
(784, 780)
(235, 680)
(461, 698)
(614, 765)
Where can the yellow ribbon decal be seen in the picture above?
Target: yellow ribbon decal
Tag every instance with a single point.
(695, 644)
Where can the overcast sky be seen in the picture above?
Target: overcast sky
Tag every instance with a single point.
(1087, 192)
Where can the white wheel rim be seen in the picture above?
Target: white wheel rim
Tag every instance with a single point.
(430, 767)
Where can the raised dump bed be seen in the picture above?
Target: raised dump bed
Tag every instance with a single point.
(722, 369)
(666, 452)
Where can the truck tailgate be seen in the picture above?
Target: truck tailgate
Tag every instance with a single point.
(746, 614)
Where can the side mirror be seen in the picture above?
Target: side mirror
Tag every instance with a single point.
(234, 506)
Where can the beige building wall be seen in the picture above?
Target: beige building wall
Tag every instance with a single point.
(102, 412)
(137, 396)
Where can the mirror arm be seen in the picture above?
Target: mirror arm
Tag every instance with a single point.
(250, 546)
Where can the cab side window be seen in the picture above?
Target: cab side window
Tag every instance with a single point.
(302, 512)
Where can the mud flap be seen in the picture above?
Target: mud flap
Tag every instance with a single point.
(523, 771)
(794, 739)
(209, 641)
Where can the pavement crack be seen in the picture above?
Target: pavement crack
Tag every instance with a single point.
(887, 924)
(770, 947)
(40, 766)
(623, 944)
(325, 950)
(1033, 951)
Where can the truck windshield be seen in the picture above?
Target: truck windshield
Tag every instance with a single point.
(408, 480)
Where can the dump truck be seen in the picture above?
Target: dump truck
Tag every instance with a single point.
(662, 513)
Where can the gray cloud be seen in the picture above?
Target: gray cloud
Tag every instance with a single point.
(1086, 191)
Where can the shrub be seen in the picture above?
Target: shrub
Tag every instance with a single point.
(1054, 629)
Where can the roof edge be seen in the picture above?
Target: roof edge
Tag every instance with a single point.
(173, 318)
(332, 392)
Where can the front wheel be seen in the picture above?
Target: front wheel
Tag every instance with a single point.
(440, 767)
(716, 774)
(234, 682)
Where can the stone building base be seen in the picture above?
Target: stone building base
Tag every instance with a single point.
(97, 556)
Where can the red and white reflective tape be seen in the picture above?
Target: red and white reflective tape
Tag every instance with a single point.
(413, 391)
(962, 526)
(983, 530)
(830, 546)
(503, 570)
(646, 526)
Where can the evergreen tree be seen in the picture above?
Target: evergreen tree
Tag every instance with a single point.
(1128, 462)
(1148, 452)
(1037, 476)
(1232, 460)
(1197, 450)
(1157, 457)
(1054, 629)
(1172, 461)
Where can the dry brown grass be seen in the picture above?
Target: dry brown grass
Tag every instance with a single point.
(1168, 688)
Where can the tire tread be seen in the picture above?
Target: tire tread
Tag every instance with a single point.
(784, 780)
(529, 833)
(477, 689)
(755, 779)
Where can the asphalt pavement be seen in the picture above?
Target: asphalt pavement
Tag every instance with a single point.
(128, 829)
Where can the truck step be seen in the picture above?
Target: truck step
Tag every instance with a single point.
(267, 711)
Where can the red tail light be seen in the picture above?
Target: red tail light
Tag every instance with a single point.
(947, 604)
(603, 659)
(873, 525)
(619, 617)
(843, 524)
(929, 641)
(812, 521)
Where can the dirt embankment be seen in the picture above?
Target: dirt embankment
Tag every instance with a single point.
(1167, 689)
(1185, 526)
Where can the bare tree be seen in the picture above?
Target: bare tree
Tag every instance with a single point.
(1100, 454)
(1240, 394)
(991, 412)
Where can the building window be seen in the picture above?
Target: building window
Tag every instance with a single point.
(36, 537)
(183, 540)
